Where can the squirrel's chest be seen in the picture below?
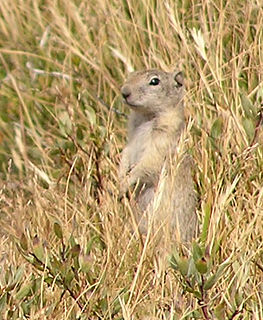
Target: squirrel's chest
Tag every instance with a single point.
(139, 142)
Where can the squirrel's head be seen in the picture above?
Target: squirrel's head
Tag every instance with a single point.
(151, 91)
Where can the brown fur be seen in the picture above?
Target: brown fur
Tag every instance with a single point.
(155, 126)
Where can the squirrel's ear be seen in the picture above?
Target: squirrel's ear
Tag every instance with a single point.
(179, 78)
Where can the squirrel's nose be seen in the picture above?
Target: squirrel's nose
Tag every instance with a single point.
(126, 92)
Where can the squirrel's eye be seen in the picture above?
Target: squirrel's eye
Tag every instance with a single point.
(154, 81)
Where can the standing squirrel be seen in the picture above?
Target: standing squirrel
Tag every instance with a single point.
(151, 168)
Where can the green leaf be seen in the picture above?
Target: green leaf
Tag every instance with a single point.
(85, 264)
(72, 241)
(24, 291)
(214, 278)
(219, 311)
(56, 264)
(69, 277)
(91, 115)
(103, 131)
(38, 249)
(38, 265)
(195, 315)
(239, 299)
(201, 266)
(116, 305)
(191, 269)
(207, 212)
(14, 281)
(19, 274)
(187, 288)
(174, 260)
(90, 244)
(65, 123)
(179, 264)
(183, 266)
(3, 301)
(23, 242)
(197, 252)
(260, 95)
(80, 135)
(216, 128)
(210, 282)
(103, 304)
(248, 107)
(49, 280)
(58, 230)
(249, 126)
(75, 251)
(197, 294)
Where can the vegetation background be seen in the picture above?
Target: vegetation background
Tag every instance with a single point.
(67, 251)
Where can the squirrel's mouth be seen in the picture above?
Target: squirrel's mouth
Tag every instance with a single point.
(129, 101)
(128, 97)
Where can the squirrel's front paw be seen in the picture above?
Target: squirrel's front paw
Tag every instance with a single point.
(127, 188)
(123, 195)
(124, 189)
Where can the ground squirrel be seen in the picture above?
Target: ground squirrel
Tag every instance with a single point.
(155, 126)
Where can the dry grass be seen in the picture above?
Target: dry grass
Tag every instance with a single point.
(66, 247)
